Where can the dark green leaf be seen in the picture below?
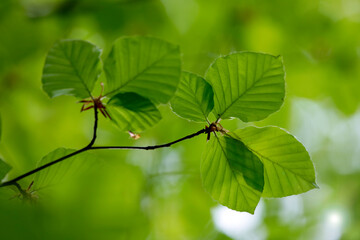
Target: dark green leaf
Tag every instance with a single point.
(71, 68)
(287, 166)
(133, 112)
(247, 85)
(148, 66)
(194, 98)
(245, 162)
(222, 176)
(4, 169)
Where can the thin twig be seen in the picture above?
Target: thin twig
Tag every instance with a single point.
(151, 147)
(15, 180)
(90, 147)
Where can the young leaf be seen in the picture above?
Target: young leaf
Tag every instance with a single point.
(148, 66)
(71, 68)
(247, 85)
(4, 169)
(54, 174)
(194, 98)
(222, 175)
(133, 112)
(287, 166)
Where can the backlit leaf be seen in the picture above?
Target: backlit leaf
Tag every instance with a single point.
(194, 98)
(148, 66)
(71, 68)
(222, 175)
(247, 85)
(287, 166)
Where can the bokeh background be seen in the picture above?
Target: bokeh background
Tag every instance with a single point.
(158, 194)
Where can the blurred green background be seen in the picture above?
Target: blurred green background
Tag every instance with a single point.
(158, 194)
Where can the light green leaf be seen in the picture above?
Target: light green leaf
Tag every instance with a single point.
(148, 66)
(288, 168)
(223, 179)
(194, 98)
(0, 127)
(55, 173)
(247, 85)
(133, 112)
(4, 169)
(71, 68)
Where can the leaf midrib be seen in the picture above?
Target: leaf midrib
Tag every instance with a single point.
(198, 103)
(255, 82)
(75, 69)
(268, 159)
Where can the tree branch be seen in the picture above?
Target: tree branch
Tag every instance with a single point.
(90, 147)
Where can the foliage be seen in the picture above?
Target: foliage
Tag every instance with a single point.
(159, 194)
(147, 66)
(194, 99)
(249, 86)
(71, 68)
(238, 167)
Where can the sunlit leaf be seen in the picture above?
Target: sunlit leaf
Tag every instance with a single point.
(288, 168)
(133, 112)
(247, 85)
(148, 66)
(55, 173)
(222, 175)
(71, 68)
(4, 169)
(194, 98)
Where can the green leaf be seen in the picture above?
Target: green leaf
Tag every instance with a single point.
(288, 168)
(71, 68)
(194, 98)
(222, 175)
(55, 173)
(247, 85)
(4, 169)
(245, 162)
(148, 66)
(0, 127)
(133, 112)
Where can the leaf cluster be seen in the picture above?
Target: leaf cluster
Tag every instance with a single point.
(238, 167)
